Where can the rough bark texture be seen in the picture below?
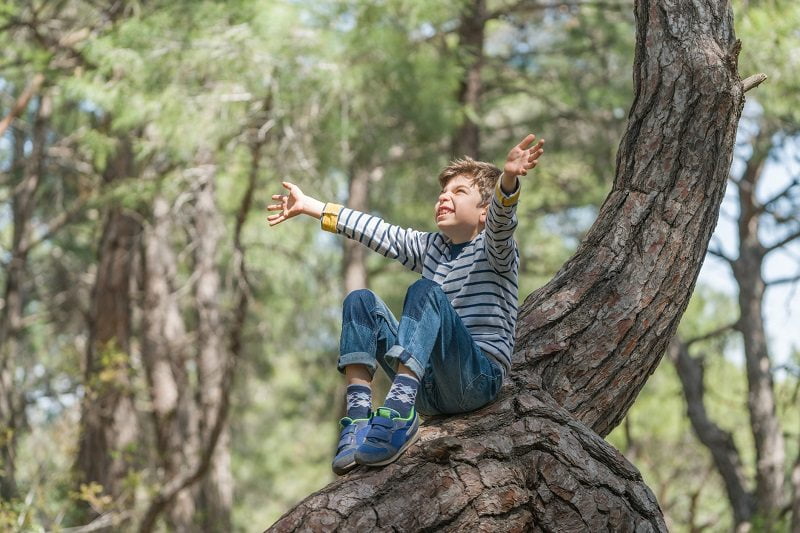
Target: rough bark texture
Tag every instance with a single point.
(600, 327)
(588, 340)
(522, 464)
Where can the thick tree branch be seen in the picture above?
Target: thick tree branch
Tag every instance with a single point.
(589, 331)
(521, 464)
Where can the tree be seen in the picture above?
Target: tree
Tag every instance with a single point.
(588, 340)
(767, 502)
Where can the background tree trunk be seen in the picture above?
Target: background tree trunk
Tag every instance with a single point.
(216, 489)
(354, 258)
(719, 442)
(28, 173)
(108, 417)
(588, 340)
(466, 140)
(747, 269)
(165, 358)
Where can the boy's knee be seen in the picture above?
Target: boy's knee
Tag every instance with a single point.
(359, 297)
(422, 287)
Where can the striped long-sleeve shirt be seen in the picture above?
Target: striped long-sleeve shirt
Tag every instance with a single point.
(480, 280)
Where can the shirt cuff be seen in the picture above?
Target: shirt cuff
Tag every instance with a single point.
(505, 199)
(330, 216)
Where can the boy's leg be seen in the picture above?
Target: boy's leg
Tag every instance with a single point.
(430, 337)
(368, 329)
(434, 343)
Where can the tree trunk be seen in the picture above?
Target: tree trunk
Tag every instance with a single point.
(718, 441)
(466, 140)
(354, 258)
(12, 406)
(747, 268)
(599, 328)
(165, 358)
(216, 490)
(108, 419)
(588, 340)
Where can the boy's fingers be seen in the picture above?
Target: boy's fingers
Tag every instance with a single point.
(526, 141)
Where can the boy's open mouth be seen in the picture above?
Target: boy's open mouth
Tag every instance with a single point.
(442, 211)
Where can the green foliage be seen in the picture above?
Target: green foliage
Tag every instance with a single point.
(330, 88)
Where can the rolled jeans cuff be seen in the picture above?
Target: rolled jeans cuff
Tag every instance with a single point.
(398, 353)
(358, 358)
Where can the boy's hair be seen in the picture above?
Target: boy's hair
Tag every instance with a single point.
(484, 175)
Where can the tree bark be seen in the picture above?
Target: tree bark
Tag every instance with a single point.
(108, 418)
(599, 328)
(354, 258)
(747, 269)
(28, 171)
(216, 490)
(522, 464)
(588, 340)
(466, 140)
(165, 358)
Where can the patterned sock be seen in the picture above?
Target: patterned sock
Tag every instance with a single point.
(359, 401)
(403, 394)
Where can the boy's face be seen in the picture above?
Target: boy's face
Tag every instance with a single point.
(458, 213)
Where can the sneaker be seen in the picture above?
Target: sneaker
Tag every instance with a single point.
(351, 437)
(389, 435)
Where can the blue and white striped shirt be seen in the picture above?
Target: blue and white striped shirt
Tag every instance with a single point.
(480, 280)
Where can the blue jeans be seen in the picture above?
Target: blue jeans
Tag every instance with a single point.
(430, 339)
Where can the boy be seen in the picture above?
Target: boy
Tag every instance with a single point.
(452, 346)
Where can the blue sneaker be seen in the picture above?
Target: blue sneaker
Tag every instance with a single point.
(389, 435)
(352, 435)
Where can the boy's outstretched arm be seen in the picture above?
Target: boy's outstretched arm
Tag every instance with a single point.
(407, 246)
(501, 219)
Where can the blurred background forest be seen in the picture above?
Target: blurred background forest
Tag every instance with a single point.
(167, 361)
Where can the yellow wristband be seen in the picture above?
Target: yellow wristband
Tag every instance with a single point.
(330, 216)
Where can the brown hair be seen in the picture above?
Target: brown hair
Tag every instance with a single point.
(484, 175)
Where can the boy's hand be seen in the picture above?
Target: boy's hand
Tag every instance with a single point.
(522, 157)
(290, 205)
